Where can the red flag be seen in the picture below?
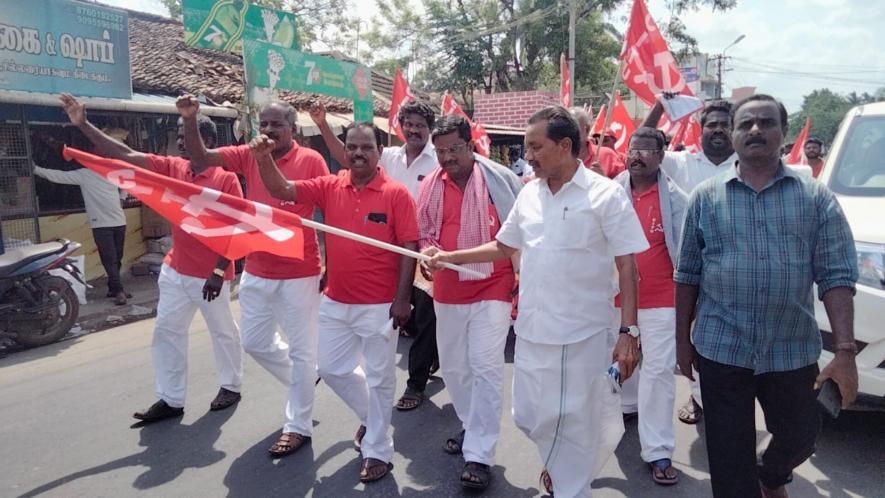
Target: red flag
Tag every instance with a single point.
(622, 125)
(228, 225)
(401, 95)
(647, 66)
(600, 122)
(797, 153)
(565, 83)
(478, 134)
(688, 133)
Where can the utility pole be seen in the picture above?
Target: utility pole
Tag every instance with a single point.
(572, 13)
(719, 57)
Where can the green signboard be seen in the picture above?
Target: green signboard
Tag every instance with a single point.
(269, 66)
(223, 24)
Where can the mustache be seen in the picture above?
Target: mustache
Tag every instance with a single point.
(637, 162)
(755, 140)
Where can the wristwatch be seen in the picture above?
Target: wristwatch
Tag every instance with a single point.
(218, 271)
(632, 330)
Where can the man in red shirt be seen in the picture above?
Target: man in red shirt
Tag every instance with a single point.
(276, 291)
(602, 160)
(460, 206)
(368, 290)
(192, 277)
(813, 149)
(660, 206)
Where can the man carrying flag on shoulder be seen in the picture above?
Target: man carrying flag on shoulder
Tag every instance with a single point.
(192, 277)
(276, 291)
(368, 291)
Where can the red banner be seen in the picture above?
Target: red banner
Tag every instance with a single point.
(622, 125)
(230, 226)
(647, 66)
(688, 133)
(797, 153)
(599, 123)
(401, 95)
(477, 133)
(565, 83)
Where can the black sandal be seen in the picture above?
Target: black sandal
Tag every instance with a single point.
(454, 445)
(475, 475)
(547, 482)
(410, 400)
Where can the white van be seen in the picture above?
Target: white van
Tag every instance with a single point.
(855, 172)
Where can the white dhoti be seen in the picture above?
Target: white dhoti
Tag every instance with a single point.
(357, 359)
(563, 402)
(180, 298)
(293, 305)
(470, 339)
(652, 389)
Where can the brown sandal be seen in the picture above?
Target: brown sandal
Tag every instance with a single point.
(288, 443)
(374, 469)
(410, 400)
(358, 438)
(547, 482)
(690, 413)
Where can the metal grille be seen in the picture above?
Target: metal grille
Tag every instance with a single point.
(225, 136)
(18, 213)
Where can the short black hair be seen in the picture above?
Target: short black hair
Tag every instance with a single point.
(761, 97)
(716, 106)
(379, 139)
(418, 107)
(560, 125)
(450, 124)
(649, 132)
(815, 140)
(207, 127)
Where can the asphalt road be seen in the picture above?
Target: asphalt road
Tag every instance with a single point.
(65, 415)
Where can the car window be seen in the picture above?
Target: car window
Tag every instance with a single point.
(859, 168)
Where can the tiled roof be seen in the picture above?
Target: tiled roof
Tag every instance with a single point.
(162, 63)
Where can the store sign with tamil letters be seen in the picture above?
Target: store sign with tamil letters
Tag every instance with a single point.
(223, 24)
(55, 46)
(274, 67)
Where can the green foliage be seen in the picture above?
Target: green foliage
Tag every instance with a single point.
(826, 109)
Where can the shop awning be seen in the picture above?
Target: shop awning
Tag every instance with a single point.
(140, 102)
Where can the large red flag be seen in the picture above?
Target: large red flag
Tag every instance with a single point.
(228, 225)
(797, 153)
(477, 133)
(688, 133)
(565, 83)
(621, 125)
(647, 66)
(599, 123)
(401, 95)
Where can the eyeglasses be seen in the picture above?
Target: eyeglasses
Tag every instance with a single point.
(642, 152)
(455, 149)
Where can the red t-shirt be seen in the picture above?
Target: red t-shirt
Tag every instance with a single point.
(300, 163)
(188, 255)
(447, 288)
(816, 169)
(383, 210)
(611, 162)
(656, 287)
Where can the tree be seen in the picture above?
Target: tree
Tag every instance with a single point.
(827, 109)
(315, 17)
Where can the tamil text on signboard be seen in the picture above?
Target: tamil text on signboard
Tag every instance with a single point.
(55, 46)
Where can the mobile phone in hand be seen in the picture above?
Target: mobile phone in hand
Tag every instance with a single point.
(829, 398)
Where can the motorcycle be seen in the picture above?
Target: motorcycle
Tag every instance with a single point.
(36, 307)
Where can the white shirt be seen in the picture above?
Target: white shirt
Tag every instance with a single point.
(101, 198)
(568, 243)
(519, 166)
(689, 169)
(393, 160)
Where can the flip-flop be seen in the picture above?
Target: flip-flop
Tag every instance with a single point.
(408, 396)
(690, 413)
(370, 472)
(479, 472)
(454, 445)
(659, 473)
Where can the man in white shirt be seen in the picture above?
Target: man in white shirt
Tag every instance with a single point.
(688, 170)
(407, 164)
(565, 223)
(106, 217)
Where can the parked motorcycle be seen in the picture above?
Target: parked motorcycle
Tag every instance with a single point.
(37, 308)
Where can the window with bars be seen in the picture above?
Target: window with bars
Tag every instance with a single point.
(18, 213)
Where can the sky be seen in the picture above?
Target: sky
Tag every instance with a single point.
(833, 43)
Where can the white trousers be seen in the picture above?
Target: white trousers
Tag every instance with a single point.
(470, 339)
(652, 389)
(357, 359)
(560, 403)
(293, 306)
(180, 297)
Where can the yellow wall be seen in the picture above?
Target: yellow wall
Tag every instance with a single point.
(76, 227)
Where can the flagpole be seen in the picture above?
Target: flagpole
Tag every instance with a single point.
(611, 105)
(384, 245)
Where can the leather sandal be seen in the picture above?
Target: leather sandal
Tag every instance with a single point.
(158, 411)
(410, 400)
(224, 399)
(547, 482)
(475, 475)
(288, 443)
(454, 445)
(358, 438)
(374, 469)
(690, 413)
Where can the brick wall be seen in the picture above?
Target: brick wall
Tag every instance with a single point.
(511, 108)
